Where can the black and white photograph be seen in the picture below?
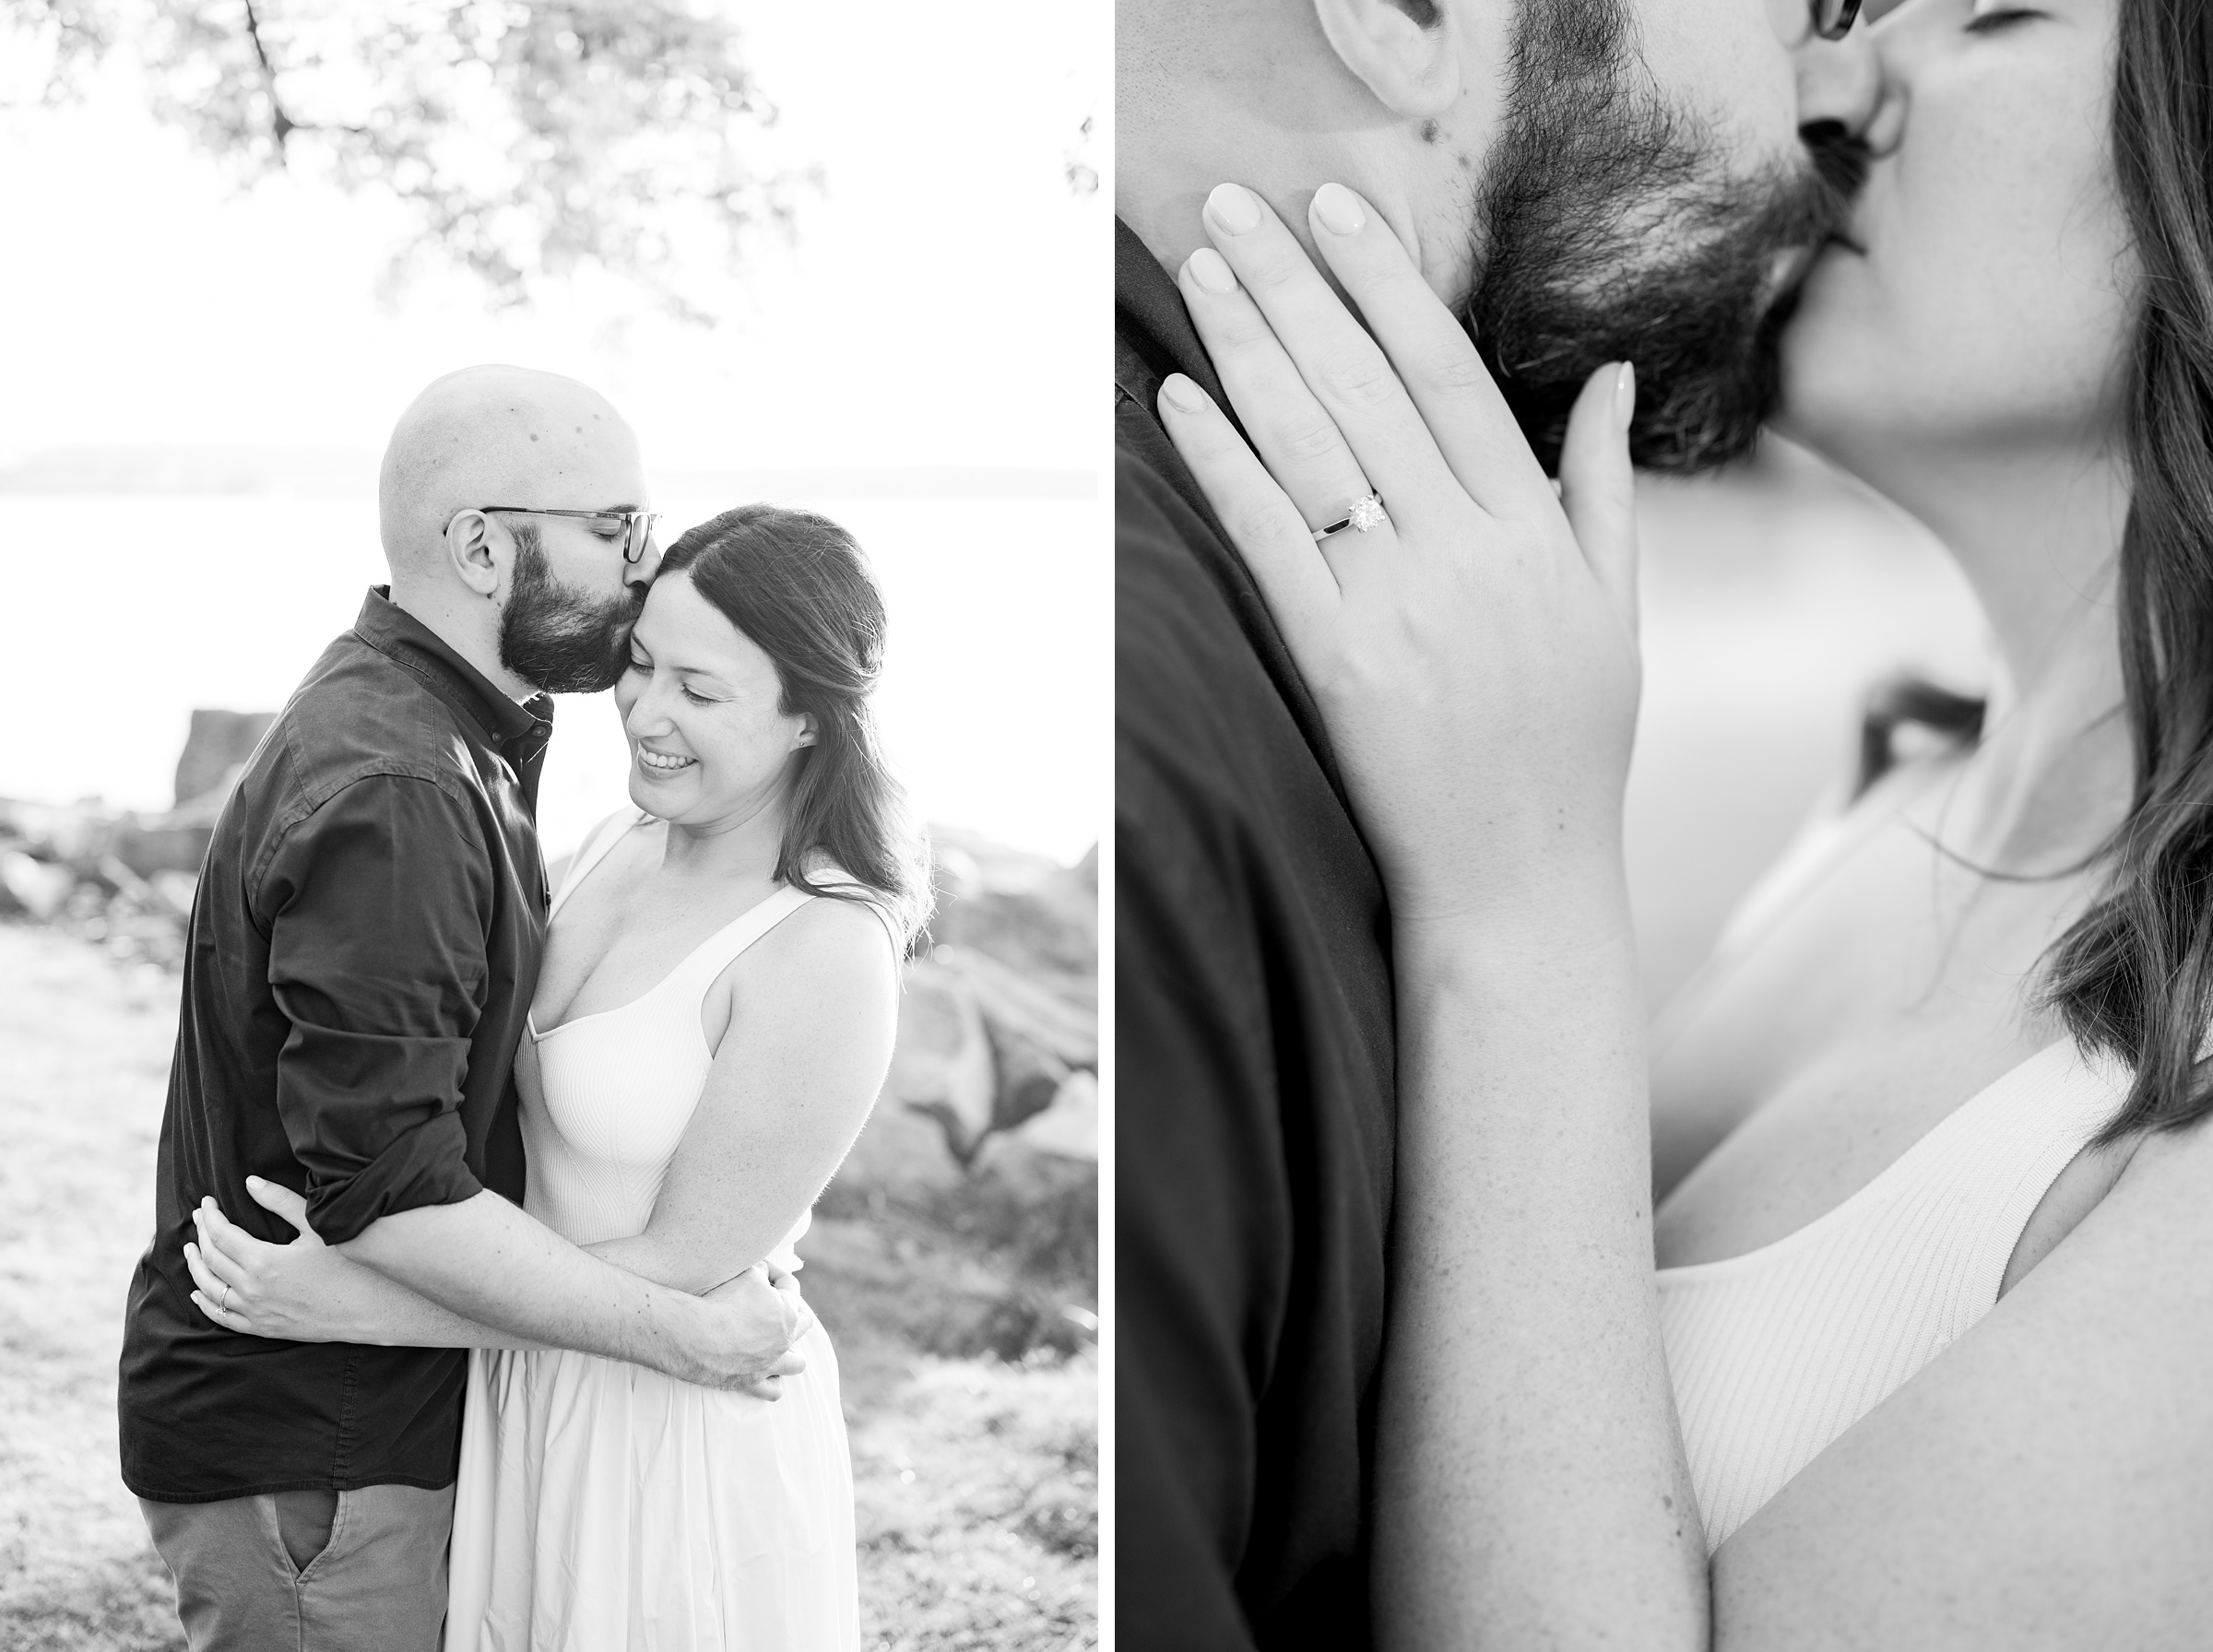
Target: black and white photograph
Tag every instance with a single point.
(549, 838)
(1664, 824)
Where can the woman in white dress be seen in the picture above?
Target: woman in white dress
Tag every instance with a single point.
(712, 1020)
(1924, 1362)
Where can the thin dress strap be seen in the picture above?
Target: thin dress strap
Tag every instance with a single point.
(699, 970)
(593, 850)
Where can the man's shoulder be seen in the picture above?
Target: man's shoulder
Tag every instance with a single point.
(1177, 619)
(361, 714)
(360, 720)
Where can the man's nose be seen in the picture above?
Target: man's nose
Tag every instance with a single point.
(1840, 82)
(641, 572)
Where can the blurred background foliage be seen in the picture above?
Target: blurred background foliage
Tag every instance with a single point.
(526, 139)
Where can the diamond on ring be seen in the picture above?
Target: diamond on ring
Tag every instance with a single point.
(1364, 512)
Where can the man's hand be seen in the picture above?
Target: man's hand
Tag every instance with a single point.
(767, 1307)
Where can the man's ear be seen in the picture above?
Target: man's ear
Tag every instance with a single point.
(1404, 50)
(469, 548)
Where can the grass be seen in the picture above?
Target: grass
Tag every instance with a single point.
(976, 1476)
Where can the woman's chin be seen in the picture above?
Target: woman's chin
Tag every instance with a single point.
(650, 798)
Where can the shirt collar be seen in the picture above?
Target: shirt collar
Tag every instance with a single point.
(1153, 331)
(391, 629)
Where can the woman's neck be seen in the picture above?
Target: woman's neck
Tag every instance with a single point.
(2038, 536)
(741, 845)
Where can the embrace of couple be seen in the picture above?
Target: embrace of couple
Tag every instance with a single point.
(1864, 1299)
(476, 1198)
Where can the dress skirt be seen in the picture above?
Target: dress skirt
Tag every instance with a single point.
(604, 1506)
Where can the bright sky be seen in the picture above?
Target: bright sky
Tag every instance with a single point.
(945, 302)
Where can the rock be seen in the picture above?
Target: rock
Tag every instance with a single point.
(1025, 909)
(1031, 1175)
(1069, 1126)
(1058, 1017)
(900, 1152)
(216, 749)
(68, 834)
(943, 1064)
(40, 886)
(175, 890)
(161, 845)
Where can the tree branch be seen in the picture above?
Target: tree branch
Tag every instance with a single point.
(282, 123)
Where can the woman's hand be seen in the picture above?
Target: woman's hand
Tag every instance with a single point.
(302, 1291)
(1475, 657)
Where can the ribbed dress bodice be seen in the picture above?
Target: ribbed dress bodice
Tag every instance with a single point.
(1776, 1353)
(618, 1087)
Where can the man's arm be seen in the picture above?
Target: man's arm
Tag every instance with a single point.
(309, 1291)
(488, 1262)
(377, 906)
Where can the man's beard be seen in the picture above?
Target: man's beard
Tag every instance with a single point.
(1591, 169)
(555, 637)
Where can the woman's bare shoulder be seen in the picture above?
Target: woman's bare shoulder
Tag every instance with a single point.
(2039, 1484)
(827, 942)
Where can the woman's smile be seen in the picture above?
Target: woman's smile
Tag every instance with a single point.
(663, 763)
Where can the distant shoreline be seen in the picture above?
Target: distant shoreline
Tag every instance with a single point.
(349, 473)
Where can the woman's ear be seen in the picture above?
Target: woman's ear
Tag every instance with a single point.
(1404, 50)
(807, 730)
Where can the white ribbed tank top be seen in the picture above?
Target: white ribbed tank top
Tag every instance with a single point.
(1776, 1353)
(618, 1086)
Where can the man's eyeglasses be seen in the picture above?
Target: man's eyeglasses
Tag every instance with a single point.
(637, 525)
(1833, 19)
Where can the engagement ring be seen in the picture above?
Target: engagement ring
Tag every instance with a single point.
(1367, 512)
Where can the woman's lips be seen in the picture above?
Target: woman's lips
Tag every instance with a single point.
(663, 762)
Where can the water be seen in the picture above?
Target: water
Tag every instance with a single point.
(129, 610)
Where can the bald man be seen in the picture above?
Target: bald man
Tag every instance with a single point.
(363, 951)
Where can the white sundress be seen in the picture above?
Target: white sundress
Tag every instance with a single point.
(602, 1505)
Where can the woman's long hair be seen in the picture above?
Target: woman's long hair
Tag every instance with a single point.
(2134, 975)
(798, 585)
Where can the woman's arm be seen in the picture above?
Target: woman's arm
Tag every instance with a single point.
(1475, 662)
(814, 1006)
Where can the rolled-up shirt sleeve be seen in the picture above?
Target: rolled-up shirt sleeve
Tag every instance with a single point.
(377, 906)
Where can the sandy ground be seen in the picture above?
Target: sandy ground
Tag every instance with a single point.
(975, 1480)
(84, 1060)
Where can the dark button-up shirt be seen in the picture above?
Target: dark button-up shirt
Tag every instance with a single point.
(1255, 1108)
(361, 956)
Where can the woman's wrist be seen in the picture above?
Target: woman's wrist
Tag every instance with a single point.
(1567, 904)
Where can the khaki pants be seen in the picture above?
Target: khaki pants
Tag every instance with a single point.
(309, 1571)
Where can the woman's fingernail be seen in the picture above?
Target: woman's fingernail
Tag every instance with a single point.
(1234, 207)
(1211, 271)
(1624, 393)
(1339, 209)
(1180, 394)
